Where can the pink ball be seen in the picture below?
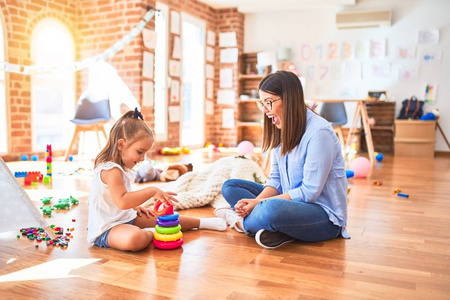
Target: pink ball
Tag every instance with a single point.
(361, 166)
(245, 147)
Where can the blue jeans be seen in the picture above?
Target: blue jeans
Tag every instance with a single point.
(303, 221)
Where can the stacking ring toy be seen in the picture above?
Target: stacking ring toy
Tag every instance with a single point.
(158, 212)
(167, 245)
(167, 230)
(171, 217)
(167, 223)
(168, 237)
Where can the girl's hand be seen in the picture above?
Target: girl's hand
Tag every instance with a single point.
(245, 206)
(165, 197)
(142, 210)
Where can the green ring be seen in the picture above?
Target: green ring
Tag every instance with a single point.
(167, 230)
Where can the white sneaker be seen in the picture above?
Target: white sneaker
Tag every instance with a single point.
(230, 216)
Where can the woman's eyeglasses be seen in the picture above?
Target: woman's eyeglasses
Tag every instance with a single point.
(266, 104)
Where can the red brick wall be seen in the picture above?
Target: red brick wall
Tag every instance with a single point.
(227, 20)
(20, 18)
(96, 25)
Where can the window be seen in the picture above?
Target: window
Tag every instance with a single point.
(193, 77)
(52, 93)
(161, 25)
(3, 121)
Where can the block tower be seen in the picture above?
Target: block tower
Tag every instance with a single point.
(168, 233)
(48, 159)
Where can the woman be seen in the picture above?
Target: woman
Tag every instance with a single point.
(305, 197)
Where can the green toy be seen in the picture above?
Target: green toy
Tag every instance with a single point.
(62, 204)
(46, 200)
(47, 210)
(73, 200)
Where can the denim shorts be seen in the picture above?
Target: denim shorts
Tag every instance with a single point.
(102, 241)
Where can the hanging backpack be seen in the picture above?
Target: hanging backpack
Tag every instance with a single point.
(411, 109)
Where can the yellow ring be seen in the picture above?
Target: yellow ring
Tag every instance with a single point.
(168, 237)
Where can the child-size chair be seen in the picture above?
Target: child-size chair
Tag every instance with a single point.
(335, 114)
(91, 114)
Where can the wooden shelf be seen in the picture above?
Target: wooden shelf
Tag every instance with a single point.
(248, 124)
(245, 76)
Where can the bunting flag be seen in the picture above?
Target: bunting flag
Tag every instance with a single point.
(79, 65)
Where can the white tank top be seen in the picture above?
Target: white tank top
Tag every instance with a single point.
(103, 212)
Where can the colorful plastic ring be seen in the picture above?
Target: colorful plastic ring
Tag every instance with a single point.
(158, 212)
(168, 245)
(167, 230)
(168, 237)
(168, 223)
(172, 217)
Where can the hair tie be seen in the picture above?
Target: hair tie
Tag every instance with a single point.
(137, 114)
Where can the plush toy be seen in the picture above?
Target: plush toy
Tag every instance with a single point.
(147, 172)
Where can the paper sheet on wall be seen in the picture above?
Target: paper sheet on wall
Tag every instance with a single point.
(226, 78)
(147, 68)
(209, 107)
(176, 53)
(210, 54)
(408, 72)
(362, 50)
(406, 52)
(229, 55)
(352, 70)
(428, 37)
(149, 38)
(430, 92)
(147, 93)
(175, 22)
(210, 71)
(209, 89)
(378, 48)
(227, 39)
(210, 38)
(228, 118)
(430, 56)
(174, 68)
(227, 97)
(174, 91)
(174, 114)
(375, 70)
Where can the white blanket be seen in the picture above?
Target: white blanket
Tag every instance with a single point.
(199, 188)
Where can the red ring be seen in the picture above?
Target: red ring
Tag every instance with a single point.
(158, 212)
(167, 245)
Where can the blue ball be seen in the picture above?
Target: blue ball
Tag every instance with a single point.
(34, 157)
(379, 157)
(70, 157)
(24, 157)
(349, 173)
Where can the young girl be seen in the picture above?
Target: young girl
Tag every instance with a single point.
(115, 218)
(305, 197)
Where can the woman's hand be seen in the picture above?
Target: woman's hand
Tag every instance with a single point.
(142, 210)
(245, 206)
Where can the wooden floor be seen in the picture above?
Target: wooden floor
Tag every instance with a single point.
(400, 249)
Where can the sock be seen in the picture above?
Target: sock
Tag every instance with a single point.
(152, 229)
(213, 224)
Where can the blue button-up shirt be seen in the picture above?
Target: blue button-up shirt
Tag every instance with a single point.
(314, 171)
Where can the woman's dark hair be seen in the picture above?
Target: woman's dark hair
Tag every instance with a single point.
(288, 87)
(129, 128)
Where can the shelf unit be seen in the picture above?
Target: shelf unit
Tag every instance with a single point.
(249, 117)
(383, 130)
